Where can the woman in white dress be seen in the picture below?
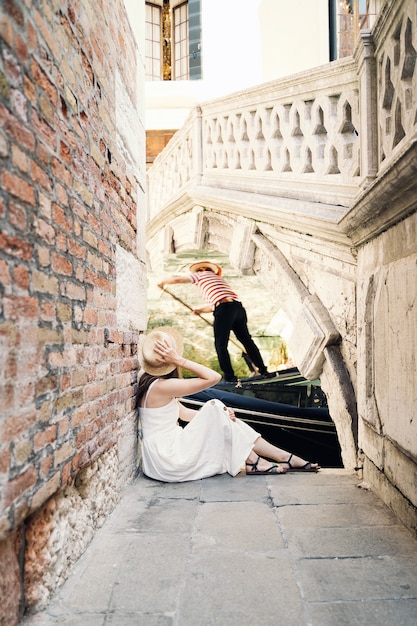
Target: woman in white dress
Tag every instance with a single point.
(214, 441)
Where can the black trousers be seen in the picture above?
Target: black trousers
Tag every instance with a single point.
(231, 316)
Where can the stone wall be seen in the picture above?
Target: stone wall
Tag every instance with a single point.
(387, 389)
(72, 163)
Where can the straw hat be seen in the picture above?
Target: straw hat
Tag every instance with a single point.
(150, 361)
(202, 265)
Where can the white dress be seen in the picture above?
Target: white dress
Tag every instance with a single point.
(210, 444)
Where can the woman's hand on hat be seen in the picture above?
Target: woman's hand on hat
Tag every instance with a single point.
(167, 352)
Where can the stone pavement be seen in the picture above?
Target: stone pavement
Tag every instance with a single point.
(309, 549)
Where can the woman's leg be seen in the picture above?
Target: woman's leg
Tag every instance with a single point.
(265, 449)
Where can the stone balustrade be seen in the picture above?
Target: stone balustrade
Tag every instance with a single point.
(294, 138)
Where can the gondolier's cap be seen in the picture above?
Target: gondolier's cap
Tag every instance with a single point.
(206, 265)
(151, 363)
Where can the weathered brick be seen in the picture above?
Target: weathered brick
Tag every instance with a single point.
(61, 264)
(16, 247)
(17, 130)
(29, 90)
(90, 238)
(44, 256)
(63, 312)
(63, 453)
(22, 452)
(40, 177)
(45, 465)
(44, 130)
(46, 108)
(17, 486)
(15, 425)
(57, 360)
(48, 311)
(46, 384)
(63, 426)
(41, 439)
(44, 283)
(18, 307)
(90, 316)
(44, 205)
(20, 48)
(15, 12)
(20, 158)
(43, 412)
(18, 217)
(61, 194)
(18, 187)
(61, 172)
(6, 31)
(76, 249)
(63, 402)
(45, 491)
(5, 277)
(45, 230)
(66, 378)
(66, 474)
(21, 276)
(79, 336)
(61, 219)
(4, 461)
(62, 242)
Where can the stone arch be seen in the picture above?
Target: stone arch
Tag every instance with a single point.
(315, 341)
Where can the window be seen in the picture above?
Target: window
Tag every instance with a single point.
(153, 42)
(181, 45)
(172, 42)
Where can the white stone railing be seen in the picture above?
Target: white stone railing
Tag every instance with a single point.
(319, 136)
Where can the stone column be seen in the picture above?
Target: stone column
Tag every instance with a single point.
(368, 111)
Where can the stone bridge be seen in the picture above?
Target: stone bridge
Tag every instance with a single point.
(309, 182)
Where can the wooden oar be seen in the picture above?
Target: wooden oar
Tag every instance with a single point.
(236, 343)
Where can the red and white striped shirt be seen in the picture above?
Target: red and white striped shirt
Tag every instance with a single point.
(213, 288)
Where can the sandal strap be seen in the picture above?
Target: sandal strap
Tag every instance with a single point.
(254, 465)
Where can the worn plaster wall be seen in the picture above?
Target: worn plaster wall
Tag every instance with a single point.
(72, 281)
(387, 390)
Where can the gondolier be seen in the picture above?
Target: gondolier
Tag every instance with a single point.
(229, 315)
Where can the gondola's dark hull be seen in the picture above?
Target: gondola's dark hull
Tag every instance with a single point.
(307, 432)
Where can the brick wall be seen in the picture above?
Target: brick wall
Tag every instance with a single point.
(71, 196)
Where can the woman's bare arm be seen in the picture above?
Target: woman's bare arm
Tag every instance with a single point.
(168, 388)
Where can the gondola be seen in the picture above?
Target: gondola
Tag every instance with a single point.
(302, 425)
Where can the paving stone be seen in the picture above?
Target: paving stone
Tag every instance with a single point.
(240, 590)
(369, 612)
(230, 526)
(348, 542)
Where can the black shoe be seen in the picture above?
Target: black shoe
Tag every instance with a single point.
(268, 375)
(228, 381)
